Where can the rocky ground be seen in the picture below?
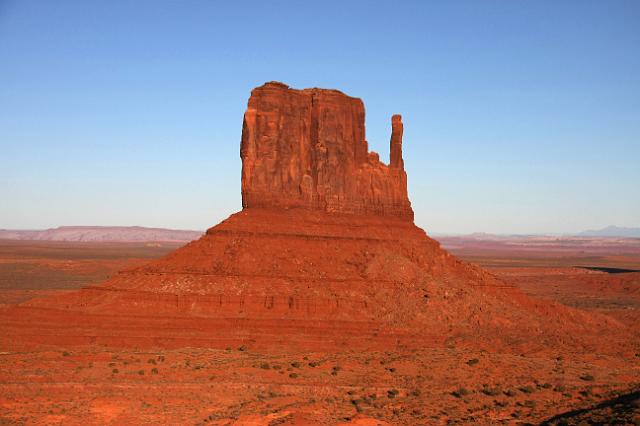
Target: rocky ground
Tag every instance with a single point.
(241, 386)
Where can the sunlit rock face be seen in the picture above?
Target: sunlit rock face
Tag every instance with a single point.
(307, 148)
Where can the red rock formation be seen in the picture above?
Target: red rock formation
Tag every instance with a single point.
(284, 273)
(357, 290)
(307, 148)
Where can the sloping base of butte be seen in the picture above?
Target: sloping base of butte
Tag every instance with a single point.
(310, 280)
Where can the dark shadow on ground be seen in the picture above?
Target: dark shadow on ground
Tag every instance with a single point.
(622, 410)
(608, 270)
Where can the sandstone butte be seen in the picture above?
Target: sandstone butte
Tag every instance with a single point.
(323, 256)
(307, 148)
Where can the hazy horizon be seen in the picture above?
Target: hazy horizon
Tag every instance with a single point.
(435, 234)
(519, 118)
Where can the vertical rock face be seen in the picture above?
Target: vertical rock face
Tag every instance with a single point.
(307, 148)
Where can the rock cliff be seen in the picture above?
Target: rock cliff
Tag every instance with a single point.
(307, 148)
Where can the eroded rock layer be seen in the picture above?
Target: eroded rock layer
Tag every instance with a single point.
(306, 279)
(307, 148)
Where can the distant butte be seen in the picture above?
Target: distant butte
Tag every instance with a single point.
(307, 148)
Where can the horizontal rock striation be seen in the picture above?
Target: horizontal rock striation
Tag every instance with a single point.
(307, 148)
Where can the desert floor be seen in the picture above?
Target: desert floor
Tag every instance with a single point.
(444, 385)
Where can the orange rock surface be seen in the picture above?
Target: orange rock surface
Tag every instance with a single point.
(307, 148)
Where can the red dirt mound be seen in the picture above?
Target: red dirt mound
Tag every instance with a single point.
(269, 278)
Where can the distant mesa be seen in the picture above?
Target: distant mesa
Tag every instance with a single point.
(612, 231)
(112, 234)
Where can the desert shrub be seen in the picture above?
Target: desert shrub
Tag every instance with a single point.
(242, 348)
(416, 392)
(141, 372)
(293, 375)
(313, 364)
(473, 361)
(295, 364)
(154, 371)
(510, 392)
(587, 377)
(392, 393)
(264, 366)
(151, 361)
(115, 371)
(495, 391)
(65, 353)
(460, 392)
(526, 389)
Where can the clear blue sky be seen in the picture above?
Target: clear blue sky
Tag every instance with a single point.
(519, 116)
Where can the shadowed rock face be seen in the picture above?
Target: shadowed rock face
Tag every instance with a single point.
(307, 148)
